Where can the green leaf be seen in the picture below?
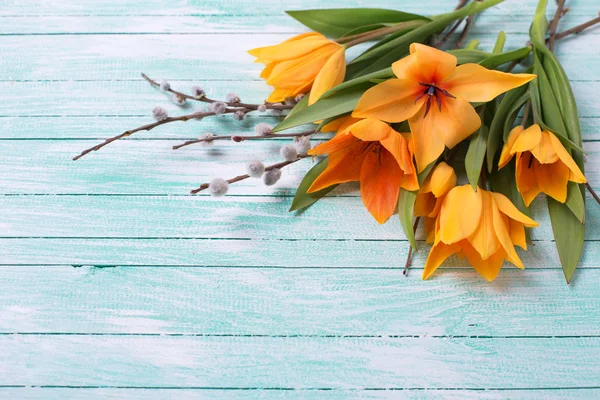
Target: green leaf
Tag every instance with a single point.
(495, 137)
(496, 60)
(380, 74)
(335, 22)
(575, 201)
(301, 105)
(465, 56)
(500, 41)
(475, 155)
(363, 29)
(473, 44)
(302, 199)
(568, 234)
(337, 104)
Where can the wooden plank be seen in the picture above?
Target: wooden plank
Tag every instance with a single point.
(152, 167)
(296, 302)
(486, 24)
(252, 218)
(276, 253)
(245, 7)
(243, 394)
(272, 362)
(204, 56)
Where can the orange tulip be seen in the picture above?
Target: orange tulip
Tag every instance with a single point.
(306, 62)
(433, 94)
(371, 152)
(481, 225)
(543, 164)
(431, 195)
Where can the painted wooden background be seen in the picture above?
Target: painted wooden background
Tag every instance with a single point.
(115, 283)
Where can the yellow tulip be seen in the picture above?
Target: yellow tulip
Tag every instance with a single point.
(307, 62)
(371, 152)
(543, 164)
(481, 225)
(433, 94)
(431, 195)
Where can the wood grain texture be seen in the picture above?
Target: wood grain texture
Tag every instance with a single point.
(115, 284)
(320, 302)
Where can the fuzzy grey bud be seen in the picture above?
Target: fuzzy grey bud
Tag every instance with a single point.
(164, 85)
(218, 107)
(178, 99)
(302, 144)
(263, 129)
(271, 177)
(232, 98)
(207, 142)
(299, 98)
(198, 92)
(255, 168)
(239, 115)
(218, 187)
(262, 108)
(290, 101)
(160, 114)
(288, 152)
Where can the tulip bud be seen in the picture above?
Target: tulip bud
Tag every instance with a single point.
(255, 168)
(239, 115)
(288, 152)
(232, 98)
(218, 187)
(218, 107)
(160, 114)
(198, 92)
(271, 177)
(177, 99)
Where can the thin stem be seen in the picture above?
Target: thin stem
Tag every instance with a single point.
(148, 127)
(382, 32)
(237, 138)
(410, 249)
(578, 28)
(238, 178)
(454, 27)
(204, 99)
(465, 31)
(554, 24)
(526, 113)
(592, 192)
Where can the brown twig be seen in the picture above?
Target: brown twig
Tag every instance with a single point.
(592, 192)
(410, 249)
(204, 99)
(454, 27)
(465, 31)
(578, 28)
(148, 127)
(554, 24)
(279, 165)
(237, 138)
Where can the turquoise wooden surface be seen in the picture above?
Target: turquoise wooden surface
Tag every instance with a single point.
(114, 283)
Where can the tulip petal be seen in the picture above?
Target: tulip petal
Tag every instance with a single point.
(460, 214)
(302, 70)
(501, 229)
(390, 101)
(424, 204)
(506, 154)
(544, 151)
(332, 74)
(425, 64)
(437, 255)
(525, 177)
(484, 239)
(564, 156)
(526, 140)
(507, 208)
(334, 144)
(455, 122)
(343, 166)
(489, 268)
(517, 233)
(475, 83)
(443, 178)
(340, 125)
(552, 179)
(429, 224)
(380, 178)
(290, 49)
(370, 129)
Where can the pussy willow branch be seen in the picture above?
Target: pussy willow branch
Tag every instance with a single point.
(279, 165)
(238, 138)
(554, 24)
(578, 28)
(149, 127)
(204, 99)
(361, 38)
(410, 249)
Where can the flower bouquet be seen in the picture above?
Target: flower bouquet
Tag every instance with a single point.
(432, 129)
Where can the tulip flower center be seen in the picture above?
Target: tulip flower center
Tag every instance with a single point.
(432, 91)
